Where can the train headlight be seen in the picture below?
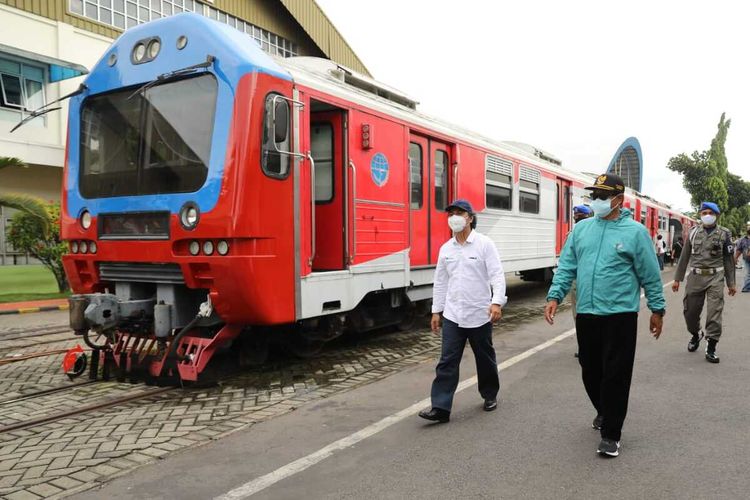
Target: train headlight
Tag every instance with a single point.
(222, 247)
(92, 247)
(208, 247)
(83, 247)
(194, 248)
(189, 215)
(182, 42)
(139, 52)
(86, 219)
(74, 246)
(153, 48)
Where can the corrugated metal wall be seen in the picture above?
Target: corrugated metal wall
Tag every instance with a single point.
(300, 21)
(319, 27)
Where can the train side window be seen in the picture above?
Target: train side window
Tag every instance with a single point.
(415, 173)
(441, 169)
(529, 192)
(499, 191)
(275, 138)
(321, 149)
(643, 216)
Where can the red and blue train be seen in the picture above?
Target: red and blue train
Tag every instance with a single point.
(215, 196)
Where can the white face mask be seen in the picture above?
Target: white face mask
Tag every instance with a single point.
(601, 208)
(457, 223)
(708, 220)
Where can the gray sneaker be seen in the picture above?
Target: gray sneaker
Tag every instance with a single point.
(609, 448)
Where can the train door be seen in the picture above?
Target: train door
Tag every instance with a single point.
(563, 210)
(439, 194)
(327, 148)
(429, 166)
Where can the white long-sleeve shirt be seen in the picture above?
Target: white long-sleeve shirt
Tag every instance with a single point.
(468, 278)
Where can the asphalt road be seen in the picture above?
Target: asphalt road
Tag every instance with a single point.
(686, 435)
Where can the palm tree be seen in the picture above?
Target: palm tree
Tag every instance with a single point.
(24, 203)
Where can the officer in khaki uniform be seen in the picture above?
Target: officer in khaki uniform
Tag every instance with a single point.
(708, 259)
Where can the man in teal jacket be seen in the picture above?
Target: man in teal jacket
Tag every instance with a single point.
(610, 256)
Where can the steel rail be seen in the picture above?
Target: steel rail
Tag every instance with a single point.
(81, 411)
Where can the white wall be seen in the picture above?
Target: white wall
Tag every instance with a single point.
(43, 142)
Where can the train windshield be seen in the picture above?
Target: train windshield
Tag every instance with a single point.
(150, 142)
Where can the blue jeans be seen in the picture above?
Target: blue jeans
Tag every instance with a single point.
(660, 258)
(746, 286)
(446, 373)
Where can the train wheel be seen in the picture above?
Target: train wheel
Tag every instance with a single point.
(408, 318)
(253, 350)
(302, 347)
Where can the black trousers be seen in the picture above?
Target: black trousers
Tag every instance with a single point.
(606, 351)
(446, 373)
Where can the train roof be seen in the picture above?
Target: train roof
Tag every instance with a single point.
(340, 81)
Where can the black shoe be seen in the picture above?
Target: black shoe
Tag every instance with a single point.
(694, 342)
(711, 356)
(435, 415)
(597, 423)
(609, 448)
(490, 404)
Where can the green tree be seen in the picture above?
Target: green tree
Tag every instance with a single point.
(27, 233)
(706, 176)
(6, 161)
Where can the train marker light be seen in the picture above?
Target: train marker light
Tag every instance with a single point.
(194, 248)
(208, 247)
(112, 60)
(222, 247)
(84, 247)
(92, 247)
(182, 42)
(85, 219)
(74, 246)
(189, 215)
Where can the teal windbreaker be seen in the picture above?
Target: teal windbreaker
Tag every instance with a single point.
(610, 260)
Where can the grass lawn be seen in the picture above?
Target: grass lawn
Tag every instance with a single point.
(18, 283)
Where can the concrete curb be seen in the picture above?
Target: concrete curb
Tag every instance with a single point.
(26, 310)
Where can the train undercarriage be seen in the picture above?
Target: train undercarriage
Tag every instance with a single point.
(154, 338)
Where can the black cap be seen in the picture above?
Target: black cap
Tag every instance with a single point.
(461, 205)
(608, 182)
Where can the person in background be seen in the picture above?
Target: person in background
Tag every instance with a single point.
(709, 260)
(469, 292)
(742, 255)
(677, 250)
(661, 251)
(611, 258)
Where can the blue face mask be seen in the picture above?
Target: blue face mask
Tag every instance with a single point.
(601, 208)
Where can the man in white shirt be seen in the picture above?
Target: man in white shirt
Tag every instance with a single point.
(469, 291)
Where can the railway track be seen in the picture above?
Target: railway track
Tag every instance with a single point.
(44, 392)
(107, 403)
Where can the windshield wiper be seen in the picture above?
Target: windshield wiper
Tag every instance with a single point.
(173, 74)
(46, 108)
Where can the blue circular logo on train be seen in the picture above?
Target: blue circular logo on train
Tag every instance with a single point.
(379, 169)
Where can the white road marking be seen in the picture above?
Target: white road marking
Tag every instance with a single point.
(261, 483)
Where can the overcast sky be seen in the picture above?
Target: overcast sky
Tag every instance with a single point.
(574, 78)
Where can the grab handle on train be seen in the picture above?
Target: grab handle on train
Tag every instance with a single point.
(312, 210)
(354, 211)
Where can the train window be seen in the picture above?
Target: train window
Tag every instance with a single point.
(499, 191)
(274, 162)
(149, 142)
(441, 172)
(499, 197)
(643, 217)
(567, 204)
(321, 149)
(528, 197)
(415, 172)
